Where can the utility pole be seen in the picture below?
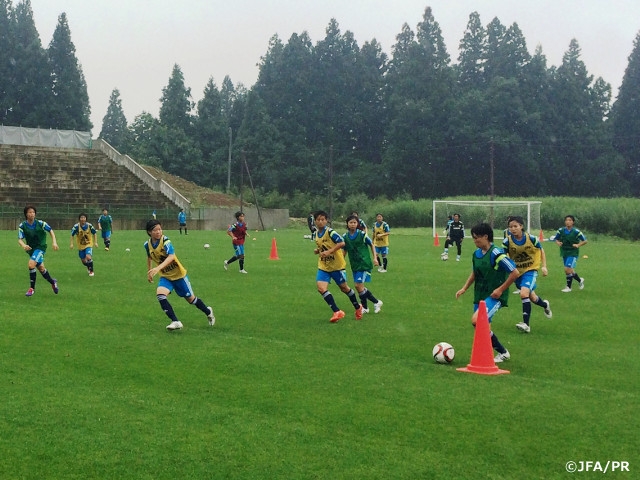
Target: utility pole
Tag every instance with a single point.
(229, 169)
(242, 179)
(331, 182)
(492, 149)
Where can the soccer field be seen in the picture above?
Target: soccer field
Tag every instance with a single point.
(93, 386)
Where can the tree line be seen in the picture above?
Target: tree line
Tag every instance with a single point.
(39, 88)
(335, 118)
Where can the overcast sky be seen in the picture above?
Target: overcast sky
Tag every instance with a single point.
(132, 45)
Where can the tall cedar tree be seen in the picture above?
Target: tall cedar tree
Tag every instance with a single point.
(420, 93)
(114, 124)
(212, 134)
(175, 144)
(626, 120)
(32, 95)
(70, 108)
(7, 60)
(176, 103)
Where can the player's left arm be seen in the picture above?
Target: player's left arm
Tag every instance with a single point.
(543, 260)
(505, 263)
(165, 263)
(332, 250)
(373, 252)
(54, 242)
(583, 240)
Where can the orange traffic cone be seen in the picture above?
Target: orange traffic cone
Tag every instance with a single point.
(541, 236)
(482, 352)
(274, 250)
(436, 241)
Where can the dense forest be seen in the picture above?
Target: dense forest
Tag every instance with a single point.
(338, 116)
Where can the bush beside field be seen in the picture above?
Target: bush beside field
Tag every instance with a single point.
(619, 217)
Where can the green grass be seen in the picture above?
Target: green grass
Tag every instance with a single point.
(93, 386)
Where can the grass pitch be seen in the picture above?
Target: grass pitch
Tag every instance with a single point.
(93, 386)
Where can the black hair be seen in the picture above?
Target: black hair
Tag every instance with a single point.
(29, 207)
(515, 218)
(151, 224)
(482, 229)
(351, 217)
(238, 215)
(320, 213)
(82, 215)
(571, 217)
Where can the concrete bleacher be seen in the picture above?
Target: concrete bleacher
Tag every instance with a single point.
(72, 180)
(79, 178)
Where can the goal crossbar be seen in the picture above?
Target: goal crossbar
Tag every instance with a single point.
(489, 203)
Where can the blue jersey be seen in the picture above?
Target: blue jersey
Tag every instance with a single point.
(182, 218)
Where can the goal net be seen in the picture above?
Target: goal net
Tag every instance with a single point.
(493, 212)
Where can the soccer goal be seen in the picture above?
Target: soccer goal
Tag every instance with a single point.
(493, 212)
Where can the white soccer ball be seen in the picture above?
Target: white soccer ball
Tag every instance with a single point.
(443, 352)
(206, 246)
(444, 257)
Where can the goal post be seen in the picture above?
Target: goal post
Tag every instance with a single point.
(493, 212)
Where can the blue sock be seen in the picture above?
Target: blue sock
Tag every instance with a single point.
(166, 306)
(330, 301)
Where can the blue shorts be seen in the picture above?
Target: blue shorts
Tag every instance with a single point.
(106, 234)
(37, 256)
(570, 262)
(339, 276)
(83, 253)
(361, 277)
(382, 250)
(182, 287)
(238, 249)
(527, 280)
(493, 306)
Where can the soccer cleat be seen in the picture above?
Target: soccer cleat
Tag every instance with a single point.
(359, 313)
(547, 310)
(457, 258)
(91, 274)
(106, 249)
(516, 292)
(523, 327)
(380, 269)
(377, 307)
(501, 357)
(175, 325)
(243, 271)
(566, 290)
(582, 283)
(383, 270)
(211, 317)
(365, 310)
(337, 316)
(54, 286)
(30, 292)
(226, 265)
